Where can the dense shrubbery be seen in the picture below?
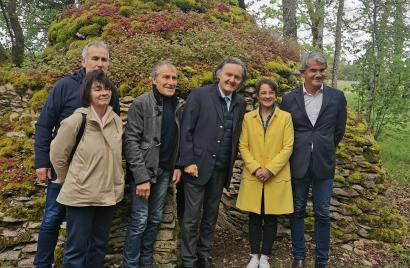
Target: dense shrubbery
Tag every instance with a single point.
(187, 32)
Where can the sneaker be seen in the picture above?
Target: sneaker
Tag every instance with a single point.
(254, 262)
(264, 262)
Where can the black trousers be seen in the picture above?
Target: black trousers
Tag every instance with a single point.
(262, 228)
(200, 216)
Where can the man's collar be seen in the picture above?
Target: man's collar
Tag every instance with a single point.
(223, 94)
(305, 91)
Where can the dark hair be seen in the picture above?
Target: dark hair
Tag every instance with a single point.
(91, 77)
(229, 60)
(272, 84)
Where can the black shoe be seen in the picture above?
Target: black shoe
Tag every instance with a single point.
(298, 264)
(205, 263)
(321, 265)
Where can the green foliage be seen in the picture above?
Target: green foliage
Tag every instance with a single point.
(126, 11)
(395, 153)
(90, 30)
(383, 95)
(23, 81)
(4, 56)
(278, 67)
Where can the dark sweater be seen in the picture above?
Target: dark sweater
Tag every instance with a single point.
(168, 128)
(225, 149)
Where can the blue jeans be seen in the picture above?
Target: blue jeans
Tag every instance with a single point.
(321, 193)
(54, 215)
(88, 229)
(145, 219)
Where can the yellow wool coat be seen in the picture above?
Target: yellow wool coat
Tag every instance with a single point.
(272, 151)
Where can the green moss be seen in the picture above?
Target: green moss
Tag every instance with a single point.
(188, 71)
(58, 256)
(126, 11)
(37, 100)
(340, 179)
(363, 204)
(203, 79)
(73, 53)
(279, 67)
(351, 207)
(388, 235)
(24, 188)
(250, 83)
(22, 238)
(90, 30)
(189, 5)
(355, 177)
(39, 202)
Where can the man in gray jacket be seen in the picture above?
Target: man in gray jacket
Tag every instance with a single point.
(150, 146)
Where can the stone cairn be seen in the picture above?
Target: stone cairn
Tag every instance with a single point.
(360, 205)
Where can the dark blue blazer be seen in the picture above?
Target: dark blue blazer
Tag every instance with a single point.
(202, 132)
(325, 135)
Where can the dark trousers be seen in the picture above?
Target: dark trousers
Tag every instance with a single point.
(321, 193)
(54, 214)
(262, 228)
(88, 230)
(198, 243)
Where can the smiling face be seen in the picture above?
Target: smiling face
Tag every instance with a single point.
(314, 75)
(266, 96)
(230, 78)
(99, 96)
(97, 58)
(166, 80)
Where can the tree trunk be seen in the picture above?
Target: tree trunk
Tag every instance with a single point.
(338, 42)
(316, 11)
(15, 31)
(242, 4)
(290, 27)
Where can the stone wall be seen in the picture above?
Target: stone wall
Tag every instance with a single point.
(360, 206)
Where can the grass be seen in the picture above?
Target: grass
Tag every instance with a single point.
(395, 153)
(394, 144)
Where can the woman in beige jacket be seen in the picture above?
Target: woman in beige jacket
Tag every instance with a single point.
(93, 181)
(266, 145)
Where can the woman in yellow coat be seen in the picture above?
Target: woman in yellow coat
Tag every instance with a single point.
(265, 144)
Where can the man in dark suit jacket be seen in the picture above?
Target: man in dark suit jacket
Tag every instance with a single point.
(210, 129)
(319, 119)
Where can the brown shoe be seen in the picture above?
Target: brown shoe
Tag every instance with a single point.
(298, 264)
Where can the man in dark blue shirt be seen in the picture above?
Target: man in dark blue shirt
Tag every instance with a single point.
(61, 103)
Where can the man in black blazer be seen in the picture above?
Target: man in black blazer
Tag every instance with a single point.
(210, 130)
(319, 120)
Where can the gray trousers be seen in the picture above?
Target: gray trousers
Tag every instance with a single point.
(201, 209)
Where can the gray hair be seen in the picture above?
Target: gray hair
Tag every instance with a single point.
(230, 60)
(316, 56)
(158, 65)
(98, 43)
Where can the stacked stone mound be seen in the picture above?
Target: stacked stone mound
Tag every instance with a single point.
(360, 206)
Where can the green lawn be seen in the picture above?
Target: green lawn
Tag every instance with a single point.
(394, 145)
